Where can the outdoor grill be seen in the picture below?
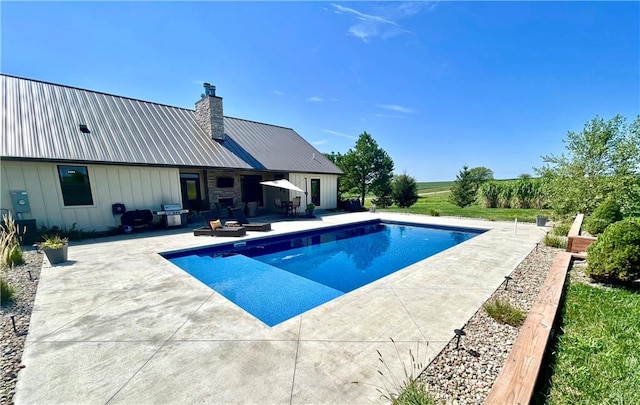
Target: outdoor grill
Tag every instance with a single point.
(172, 214)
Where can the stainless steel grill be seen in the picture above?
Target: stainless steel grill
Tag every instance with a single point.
(172, 214)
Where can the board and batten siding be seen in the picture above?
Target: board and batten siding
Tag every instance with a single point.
(328, 189)
(135, 187)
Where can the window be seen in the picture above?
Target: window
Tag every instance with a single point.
(315, 192)
(74, 181)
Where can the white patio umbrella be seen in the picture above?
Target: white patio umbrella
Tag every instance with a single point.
(282, 184)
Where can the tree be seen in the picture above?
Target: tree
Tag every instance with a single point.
(480, 174)
(337, 159)
(464, 189)
(366, 168)
(603, 160)
(334, 157)
(404, 190)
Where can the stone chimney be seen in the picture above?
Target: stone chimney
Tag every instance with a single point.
(209, 113)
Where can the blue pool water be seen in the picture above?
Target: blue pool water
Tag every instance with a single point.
(277, 278)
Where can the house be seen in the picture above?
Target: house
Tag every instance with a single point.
(69, 154)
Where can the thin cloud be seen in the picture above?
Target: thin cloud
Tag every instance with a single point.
(279, 93)
(370, 26)
(396, 108)
(362, 16)
(382, 24)
(320, 142)
(339, 134)
(315, 99)
(389, 116)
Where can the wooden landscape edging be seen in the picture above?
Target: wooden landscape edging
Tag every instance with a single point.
(577, 243)
(517, 379)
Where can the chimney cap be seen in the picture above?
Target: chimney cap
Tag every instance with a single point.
(209, 90)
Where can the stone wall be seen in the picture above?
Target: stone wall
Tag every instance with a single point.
(216, 193)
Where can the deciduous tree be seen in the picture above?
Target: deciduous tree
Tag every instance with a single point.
(480, 174)
(603, 160)
(367, 167)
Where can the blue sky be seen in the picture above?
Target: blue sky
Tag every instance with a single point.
(437, 84)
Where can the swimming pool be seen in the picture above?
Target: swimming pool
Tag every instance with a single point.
(277, 278)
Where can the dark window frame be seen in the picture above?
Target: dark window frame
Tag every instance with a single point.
(75, 193)
(315, 199)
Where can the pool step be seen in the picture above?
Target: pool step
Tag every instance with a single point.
(270, 294)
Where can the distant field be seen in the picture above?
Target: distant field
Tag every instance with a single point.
(434, 186)
(439, 204)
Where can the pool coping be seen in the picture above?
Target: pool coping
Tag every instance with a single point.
(114, 325)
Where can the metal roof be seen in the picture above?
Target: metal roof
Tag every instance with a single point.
(42, 121)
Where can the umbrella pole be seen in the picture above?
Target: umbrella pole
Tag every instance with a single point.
(306, 201)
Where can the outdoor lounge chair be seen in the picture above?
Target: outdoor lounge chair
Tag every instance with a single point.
(220, 230)
(242, 219)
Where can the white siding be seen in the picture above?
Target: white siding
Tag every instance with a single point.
(328, 188)
(136, 187)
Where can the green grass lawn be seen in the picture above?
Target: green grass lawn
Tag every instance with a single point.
(434, 186)
(597, 358)
(440, 203)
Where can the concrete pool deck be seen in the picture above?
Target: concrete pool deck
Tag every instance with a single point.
(120, 324)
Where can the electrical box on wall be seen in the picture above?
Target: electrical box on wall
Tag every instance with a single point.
(20, 200)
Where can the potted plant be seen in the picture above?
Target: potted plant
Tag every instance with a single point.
(310, 208)
(55, 247)
(541, 220)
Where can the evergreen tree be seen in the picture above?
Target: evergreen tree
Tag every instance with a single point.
(463, 192)
(404, 190)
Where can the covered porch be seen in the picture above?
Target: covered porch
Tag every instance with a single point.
(219, 189)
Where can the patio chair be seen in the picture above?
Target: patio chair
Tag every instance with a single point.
(295, 204)
(244, 221)
(282, 208)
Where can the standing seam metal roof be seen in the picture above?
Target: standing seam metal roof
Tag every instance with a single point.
(41, 121)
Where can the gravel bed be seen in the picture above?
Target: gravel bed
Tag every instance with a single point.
(464, 375)
(12, 343)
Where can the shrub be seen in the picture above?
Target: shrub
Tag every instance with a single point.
(6, 292)
(607, 213)
(54, 241)
(503, 312)
(408, 389)
(562, 229)
(433, 212)
(14, 256)
(555, 241)
(71, 233)
(10, 250)
(404, 190)
(488, 194)
(615, 256)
